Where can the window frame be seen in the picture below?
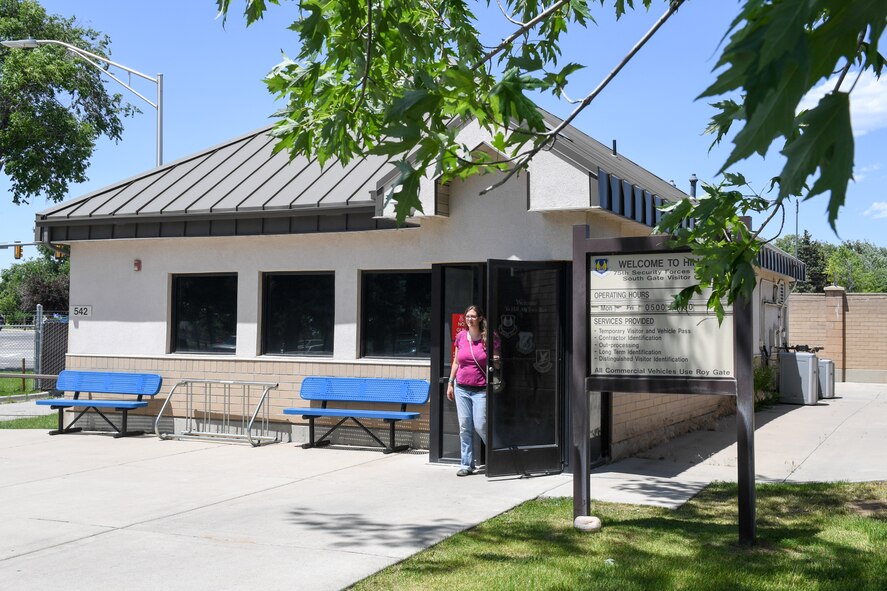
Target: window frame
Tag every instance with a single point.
(362, 312)
(265, 276)
(173, 312)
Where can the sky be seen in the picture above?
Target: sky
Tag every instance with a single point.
(213, 91)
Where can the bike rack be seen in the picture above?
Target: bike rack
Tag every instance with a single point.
(222, 410)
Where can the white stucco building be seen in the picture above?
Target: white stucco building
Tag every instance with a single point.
(234, 263)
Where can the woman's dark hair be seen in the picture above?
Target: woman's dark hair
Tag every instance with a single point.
(481, 319)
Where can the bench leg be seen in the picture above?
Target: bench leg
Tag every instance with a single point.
(123, 432)
(311, 443)
(391, 447)
(61, 430)
(323, 441)
(119, 432)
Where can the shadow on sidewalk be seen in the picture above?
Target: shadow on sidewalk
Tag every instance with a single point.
(674, 457)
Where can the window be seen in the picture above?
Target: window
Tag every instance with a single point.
(396, 314)
(204, 314)
(298, 314)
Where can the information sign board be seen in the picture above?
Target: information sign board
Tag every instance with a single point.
(627, 339)
(635, 332)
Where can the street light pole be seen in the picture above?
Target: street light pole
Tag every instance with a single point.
(91, 59)
(797, 209)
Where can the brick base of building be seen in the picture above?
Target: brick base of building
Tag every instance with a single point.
(639, 420)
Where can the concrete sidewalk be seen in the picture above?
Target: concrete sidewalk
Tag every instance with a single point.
(23, 407)
(837, 439)
(89, 511)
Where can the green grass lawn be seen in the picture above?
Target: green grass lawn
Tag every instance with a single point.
(10, 386)
(820, 537)
(41, 422)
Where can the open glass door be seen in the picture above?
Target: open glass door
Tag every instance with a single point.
(527, 310)
(454, 288)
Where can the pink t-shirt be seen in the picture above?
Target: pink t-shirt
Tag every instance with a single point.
(468, 372)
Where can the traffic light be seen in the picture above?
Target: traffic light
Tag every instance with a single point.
(17, 250)
(59, 253)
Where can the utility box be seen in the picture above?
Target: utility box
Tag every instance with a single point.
(826, 378)
(798, 377)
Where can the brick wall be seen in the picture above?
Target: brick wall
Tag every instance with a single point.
(641, 421)
(866, 331)
(852, 328)
(801, 308)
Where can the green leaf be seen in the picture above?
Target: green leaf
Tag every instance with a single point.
(720, 123)
(525, 62)
(619, 5)
(674, 213)
(412, 99)
(405, 193)
(774, 115)
(255, 9)
(583, 14)
(825, 144)
(788, 23)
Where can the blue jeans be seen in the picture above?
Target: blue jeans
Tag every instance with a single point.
(471, 408)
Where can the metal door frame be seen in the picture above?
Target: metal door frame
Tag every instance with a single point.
(438, 390)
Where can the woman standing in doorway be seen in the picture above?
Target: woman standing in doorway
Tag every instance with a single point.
(468, 383)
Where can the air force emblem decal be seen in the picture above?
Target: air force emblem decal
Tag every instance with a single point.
(543, 360)
(507, 326)
(601, 267)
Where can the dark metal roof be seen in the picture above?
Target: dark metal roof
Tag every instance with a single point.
(238, 179)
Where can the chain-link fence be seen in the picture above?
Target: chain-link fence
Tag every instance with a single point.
(33, 345)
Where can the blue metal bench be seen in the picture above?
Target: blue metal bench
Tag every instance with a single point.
(359, 391)
(99, 382)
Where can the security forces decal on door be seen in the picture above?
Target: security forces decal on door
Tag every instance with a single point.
(525, 343)
(543, 360)
(507, 326)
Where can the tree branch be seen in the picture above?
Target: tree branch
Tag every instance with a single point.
(637, 47)
(776, 207)
(369, 57)
(522, 30)
(781, 225)
(508, 16)
(553, 134)
(849, 63)
(439, 16)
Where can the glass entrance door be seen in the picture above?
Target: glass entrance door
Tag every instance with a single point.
(527, 311)
(454, 288)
